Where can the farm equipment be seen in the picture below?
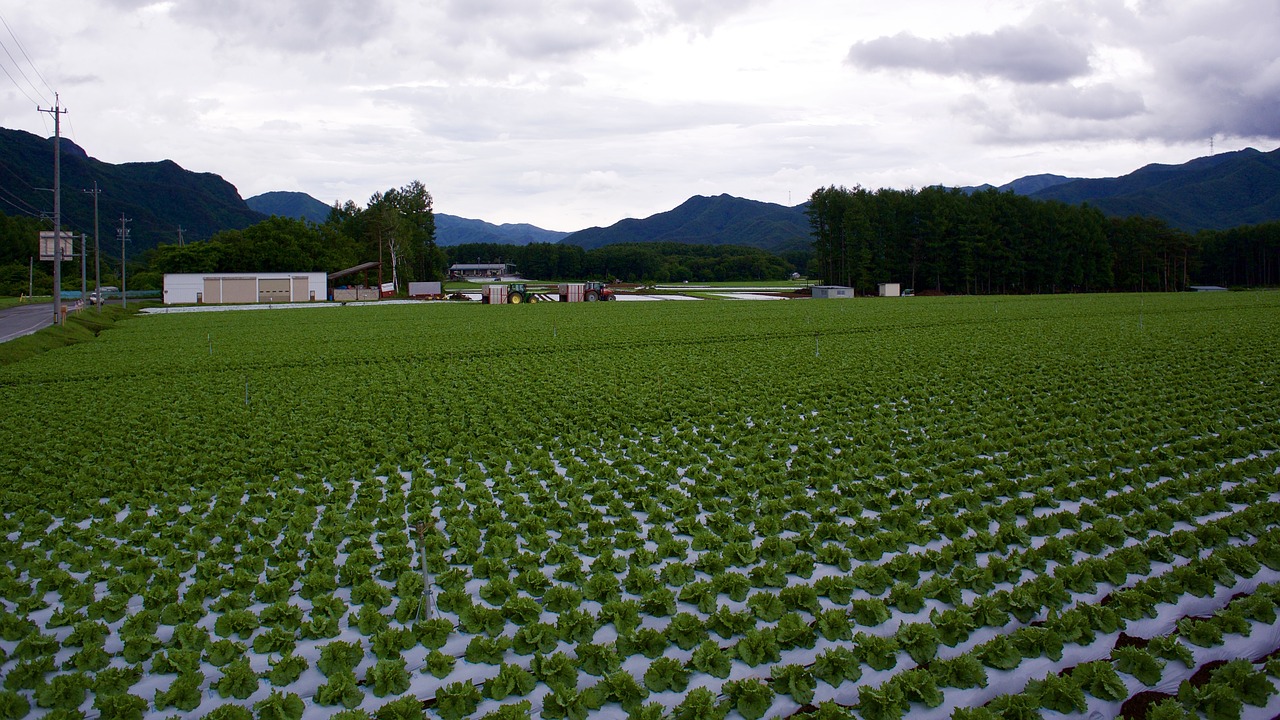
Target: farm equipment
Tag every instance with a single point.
(585, 292)
(426, 290)
(513, 294)
(517, 293)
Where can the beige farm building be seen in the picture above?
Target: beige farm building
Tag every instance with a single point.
(243, 288)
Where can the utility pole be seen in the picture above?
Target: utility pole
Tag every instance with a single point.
(123, 232)
(97, 260)
(84, 259)
(57, 113)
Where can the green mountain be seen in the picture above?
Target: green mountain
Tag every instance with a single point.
(160, 198)
(450, 229)
(720, 220)
(296, 205)
(1209, 193)
(1023, 185)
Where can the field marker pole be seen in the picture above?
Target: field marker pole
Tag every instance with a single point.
(426, 606)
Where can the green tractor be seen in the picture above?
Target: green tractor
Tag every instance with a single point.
(518, 293)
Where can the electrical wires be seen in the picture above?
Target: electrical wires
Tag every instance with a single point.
(18, 67)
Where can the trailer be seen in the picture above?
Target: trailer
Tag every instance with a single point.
(426, 290)
(494, 295)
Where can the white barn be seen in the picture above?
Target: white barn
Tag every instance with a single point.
(243, 288)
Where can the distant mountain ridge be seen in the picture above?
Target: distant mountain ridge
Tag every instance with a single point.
(1023, 185)
(297, 205)
(719, 220)
(161, 199)
(454, 230)
(450, 229)
(1209, 193)
(164, 202)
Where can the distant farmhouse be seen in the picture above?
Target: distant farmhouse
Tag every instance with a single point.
(460, 271)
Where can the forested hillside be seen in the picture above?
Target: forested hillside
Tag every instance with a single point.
(160, 199)
(992, 242)
(720, 220)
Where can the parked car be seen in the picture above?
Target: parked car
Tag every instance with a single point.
(97, 297)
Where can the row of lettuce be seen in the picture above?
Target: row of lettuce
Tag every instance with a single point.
(891, 519)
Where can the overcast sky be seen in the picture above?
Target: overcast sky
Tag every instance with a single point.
(573, 113)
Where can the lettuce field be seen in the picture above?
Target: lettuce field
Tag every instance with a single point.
(928, 508)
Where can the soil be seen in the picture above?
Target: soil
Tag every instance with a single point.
(1135, 708)
(1201, 676)
(1131, 641)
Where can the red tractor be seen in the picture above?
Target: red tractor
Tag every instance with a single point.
(595, 290)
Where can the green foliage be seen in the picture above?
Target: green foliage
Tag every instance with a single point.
(510, 680)
(837, 665)
(1139, 663)
(184, 693)
(758, 647)
(709, 658)
(1057, 693)
(886, 702)
(286, 669)
(388, 676)
(238, 681)
(279, 706)
(339, 656)
(666, 674)
(13, 706)
(439, 664)
(1099, 679)
(793, 680)
(622, 688)
(63, 692)
(699, 704)
(961, 672)
(404, 708)
(229, 712)
(751, 697)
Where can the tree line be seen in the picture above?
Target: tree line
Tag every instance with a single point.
(934, 239)
(944, 240)
(635, 262)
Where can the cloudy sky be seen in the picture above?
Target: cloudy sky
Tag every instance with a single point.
(573, 113)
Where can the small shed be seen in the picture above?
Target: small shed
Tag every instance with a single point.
(832, 291)
(890, 289)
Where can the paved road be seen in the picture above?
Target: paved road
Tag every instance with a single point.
(22, 320)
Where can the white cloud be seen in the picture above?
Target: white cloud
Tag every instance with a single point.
(1034, 54)
(570, 113)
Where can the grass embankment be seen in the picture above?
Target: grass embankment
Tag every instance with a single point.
(80, 327)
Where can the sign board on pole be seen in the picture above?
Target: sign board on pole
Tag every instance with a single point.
(47, 249)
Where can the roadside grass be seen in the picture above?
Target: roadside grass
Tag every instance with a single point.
(7, 302)
(80, 327)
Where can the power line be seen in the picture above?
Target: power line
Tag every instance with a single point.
(15, 82)
(18, 202)
(23, 50)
